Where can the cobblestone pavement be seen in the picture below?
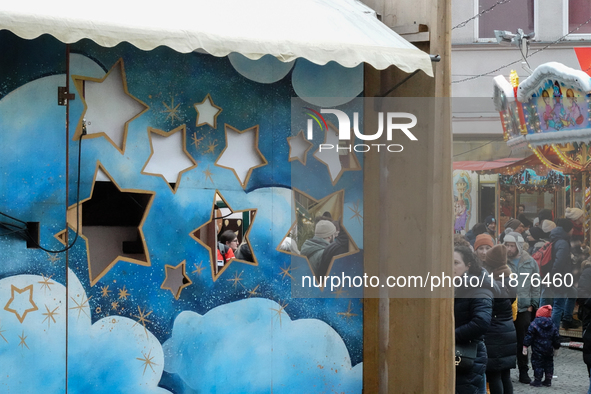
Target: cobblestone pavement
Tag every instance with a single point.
(570, 375)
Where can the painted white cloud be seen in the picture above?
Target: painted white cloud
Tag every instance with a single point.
(103, 357)
(243, 347)
(267, 69)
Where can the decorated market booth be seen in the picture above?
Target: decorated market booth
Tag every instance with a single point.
(548, 113)
(139, 147)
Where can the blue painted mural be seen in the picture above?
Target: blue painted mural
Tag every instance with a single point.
(163, 316)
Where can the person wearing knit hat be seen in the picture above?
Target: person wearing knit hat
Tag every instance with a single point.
(545, 214)
(482, 245)
(327, 243)
(577, 216)
(516, 225)
(548, 225)
(524, 220)
(501, 338)
(491, 225)
(528, 295)
(542, 336)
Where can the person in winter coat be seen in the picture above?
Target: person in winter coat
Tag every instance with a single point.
(491, 226)
(561, 266)
(472, 313)
(538, 239)
(577, 217)
(500, 339)
(477, 229)
(584, 295)
(324, 246)
(543, 338)
(528, 295)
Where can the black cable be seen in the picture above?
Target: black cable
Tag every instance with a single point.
(10, 217)
(460, 154)
(479, 14)
(27, 236)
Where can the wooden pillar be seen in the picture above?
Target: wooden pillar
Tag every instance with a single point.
(409, 342)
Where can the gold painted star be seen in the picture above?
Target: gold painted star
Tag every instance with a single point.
(50, 315)
(52, 257)
(347, 315)
(211, 145)
(172, 111)
(22, 338)
(1, 331)
(280, 311)
(356, 214)
(207, 112)
(14, 289)
(81, 306)
(114, 305)
(176, 279)
(339, 292)
(46, 282)
(208, 174)
(123, 293)
(253, 292)
(241, 154)
(196, 141)
(285, 271)
(147, 361)
(105, 291)
(198, 269)
(236, 279)
(142, 318)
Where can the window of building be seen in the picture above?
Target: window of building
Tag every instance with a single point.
(509, 16)
(579, 11)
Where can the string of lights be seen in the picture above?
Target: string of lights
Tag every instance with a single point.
(480, 14)
(529, 55)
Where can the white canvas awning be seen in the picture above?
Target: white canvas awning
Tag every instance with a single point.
(344, 31)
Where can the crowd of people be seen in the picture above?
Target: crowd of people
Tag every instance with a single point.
(502, 319)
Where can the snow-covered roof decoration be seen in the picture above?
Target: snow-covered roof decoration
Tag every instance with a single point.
(555, 71)
(503, 90)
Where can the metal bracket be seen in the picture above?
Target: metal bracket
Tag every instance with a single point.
(63, 96)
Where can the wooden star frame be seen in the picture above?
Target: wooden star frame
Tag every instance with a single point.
(353, 248)
(297, 136)
(183, 130)
(215, 117)
(79, 84)
(351, 154)
(213, 252)
(73, 226)
(256, 147)
(183, 267)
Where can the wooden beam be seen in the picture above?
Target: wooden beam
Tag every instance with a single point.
(410, 29)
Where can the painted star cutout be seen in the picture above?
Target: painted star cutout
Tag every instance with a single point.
(49, 315)
(45, 283)
(241, 154)
(147, 361)
(22, 337)
(207, 112)
(333, 203)
(172, 111)
(198, 269)
(123, 293)
(108, 106)
(176, 279)
(347, 315)
(280, 311)
(169, 158)
(31, 307)
(213, 251)
(299, 147)
(98, 268)
(336, 162)
(81, 307)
